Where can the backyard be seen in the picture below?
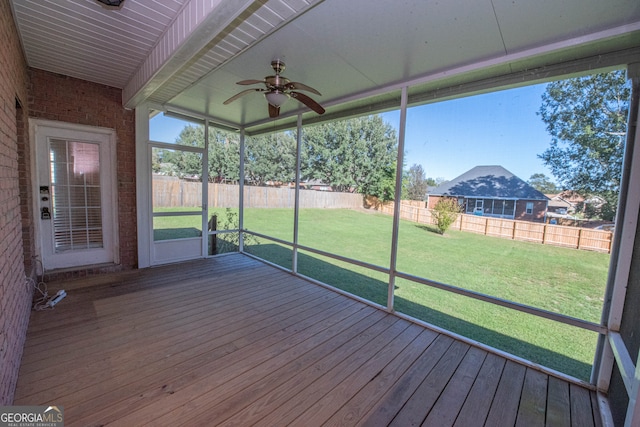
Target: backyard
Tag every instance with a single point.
(561, 280)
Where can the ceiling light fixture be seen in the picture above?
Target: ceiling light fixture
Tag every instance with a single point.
(276, 98)
(111, 4)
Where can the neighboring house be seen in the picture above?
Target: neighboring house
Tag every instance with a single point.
(493, 191)
(568, 202)
(560, 204)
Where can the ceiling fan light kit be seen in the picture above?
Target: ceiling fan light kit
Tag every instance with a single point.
(276, 98)
(278, 89)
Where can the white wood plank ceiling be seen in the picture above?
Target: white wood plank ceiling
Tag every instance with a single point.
(186, 55)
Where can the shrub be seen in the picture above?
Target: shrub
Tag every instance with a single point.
(445, 213)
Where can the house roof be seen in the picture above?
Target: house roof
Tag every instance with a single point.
(491, 182)
(185, 56)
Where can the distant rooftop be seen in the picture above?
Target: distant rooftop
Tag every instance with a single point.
(491, 182)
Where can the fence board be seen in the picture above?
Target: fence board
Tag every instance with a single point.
(173, 192)
(549, 234)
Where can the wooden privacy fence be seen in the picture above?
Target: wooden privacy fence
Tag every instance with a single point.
(173, 192)
(548, 234)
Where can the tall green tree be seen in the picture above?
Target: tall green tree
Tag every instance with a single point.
(351, 155)
(270, 158)
(184, 163)
(224, 156)
(587, 120)
(543, 183)
(416, 188)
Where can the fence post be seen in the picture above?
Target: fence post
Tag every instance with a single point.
(579, 238)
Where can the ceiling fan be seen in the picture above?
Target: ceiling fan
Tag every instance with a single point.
(278, 90)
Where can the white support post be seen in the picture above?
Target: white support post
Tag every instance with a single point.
(241, 198)
(296, 208)
(143, 186)
(397, 199)
(205, 192)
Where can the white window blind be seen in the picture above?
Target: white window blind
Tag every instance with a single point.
(75, 195)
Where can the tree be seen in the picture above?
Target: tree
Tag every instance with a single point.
(270, 158)
(224, 156)
(416, 188)
(543, 184)
(587, 119)
(223, 160)
(351, 155)
(185, 164)
(445, 213)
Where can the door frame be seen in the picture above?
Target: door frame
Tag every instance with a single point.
(35, 126)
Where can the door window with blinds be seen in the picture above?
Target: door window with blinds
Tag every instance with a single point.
(75, 195)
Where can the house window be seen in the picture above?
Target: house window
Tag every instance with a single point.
(529, 208)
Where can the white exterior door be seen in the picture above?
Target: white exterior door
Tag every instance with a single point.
(179, 210)
(76, 200)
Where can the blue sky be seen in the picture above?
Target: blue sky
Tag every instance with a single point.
(448, 138)
(499, 128)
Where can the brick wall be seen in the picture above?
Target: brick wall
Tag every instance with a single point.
(62, 98)
(539, 210)
(35, 93)
(15, 293)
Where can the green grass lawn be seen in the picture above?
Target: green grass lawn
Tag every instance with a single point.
(556, 279)
(562, 280)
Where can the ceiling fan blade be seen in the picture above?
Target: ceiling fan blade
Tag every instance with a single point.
(274, 111)
(302, 86)
(240, 94)
(249, 82)
(307, 101)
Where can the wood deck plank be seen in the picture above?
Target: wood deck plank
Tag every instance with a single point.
(242, 406)
(226, 367)
(364, 400)
(504, 407)
(558, 404)
(185, 355)
(233, 341)
(476, 406)
(449, 403)
(150, 342)
(331, 402)
(533, 402)
(391, 403)
(379, 357)
(417, 407)
(273, 355)
(62, 338)
(581, 410)
(280, 405)
(169, 331)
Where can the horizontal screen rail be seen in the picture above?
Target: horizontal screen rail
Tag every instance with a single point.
(561, 318)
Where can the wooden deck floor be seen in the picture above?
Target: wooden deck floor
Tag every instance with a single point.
(232, 341)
